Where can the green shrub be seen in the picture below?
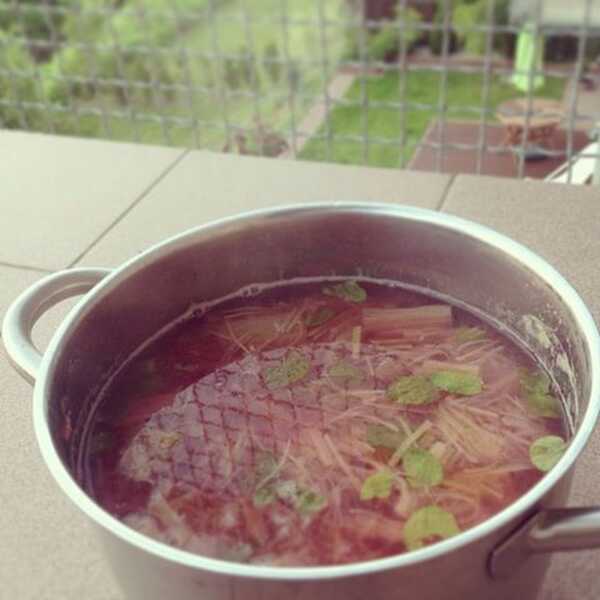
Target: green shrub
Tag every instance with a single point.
(393, 35)
(385, 40)
(475, 42)
(467, 14)
(436, 36)
(17, 85)
(464, 17)
(294, 76)
(231, 73)
(36, 21)
(352, 42)
(247, 68)
(118, 44)
(206, 71)
(272, 62)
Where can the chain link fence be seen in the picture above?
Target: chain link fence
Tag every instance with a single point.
(484, 86)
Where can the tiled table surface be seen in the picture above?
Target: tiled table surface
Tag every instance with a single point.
(69, 202)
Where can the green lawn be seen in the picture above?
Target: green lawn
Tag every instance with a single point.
(463, 89)
(210, 112)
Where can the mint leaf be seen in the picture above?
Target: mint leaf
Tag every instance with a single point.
(422, 468)
(428, 524)
(309, 502)
(546, 451)
(535, 387)
(378, 485)
(457, 382)
(292, 369)
(349, 291)
(413, 389)
(380, 435)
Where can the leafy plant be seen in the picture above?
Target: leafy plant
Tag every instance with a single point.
(394, 35)
(349, 291)
(17, 85)
(457, 382)
(422, 468)
(413, 389)
(116, 44)
(247, 68)
(384, 42)
(231, 73)
(378, 485)
(387, 39)
(294, 77)
(546, 451)
(272, 62)
(308, 502)
(40, 21)
(384, 437)
(293, 368)
(428, 524)
(536, 389)
(465, 16)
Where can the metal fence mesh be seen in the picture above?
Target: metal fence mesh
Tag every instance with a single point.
(443, 85)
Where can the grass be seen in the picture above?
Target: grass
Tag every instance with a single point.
(423, 87)
(210, 113)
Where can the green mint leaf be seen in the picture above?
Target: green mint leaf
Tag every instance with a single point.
(413, 389)
(276, 377)
(378, 485)
(319, 316)
(422, 468)
(457, 382)
(535, 387)
(546, 451)
(429, 524)
(309, 502)
(469, 334)
(293, 368)
(380, 435)
(350, 291)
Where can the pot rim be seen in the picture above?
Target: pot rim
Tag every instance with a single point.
(471, 229)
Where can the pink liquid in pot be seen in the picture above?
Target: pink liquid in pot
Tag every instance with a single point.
(319, 424)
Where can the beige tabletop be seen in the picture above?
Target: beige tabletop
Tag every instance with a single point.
(69, 202)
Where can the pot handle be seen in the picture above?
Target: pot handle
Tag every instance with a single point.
(31, 305)
(550, 530)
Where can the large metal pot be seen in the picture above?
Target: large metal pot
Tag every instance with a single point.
(502, 558)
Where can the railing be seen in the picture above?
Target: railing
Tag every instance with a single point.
(409, 83)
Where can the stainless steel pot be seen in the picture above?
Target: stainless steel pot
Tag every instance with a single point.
(501, 558)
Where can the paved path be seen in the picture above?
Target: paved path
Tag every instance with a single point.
(337, 88)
